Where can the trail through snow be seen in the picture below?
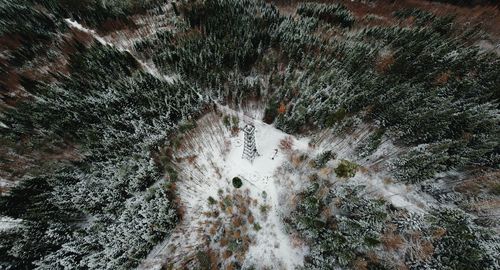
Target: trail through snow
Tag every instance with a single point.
(122, 44)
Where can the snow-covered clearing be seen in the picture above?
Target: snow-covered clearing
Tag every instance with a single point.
(208, 158)
(211, 155)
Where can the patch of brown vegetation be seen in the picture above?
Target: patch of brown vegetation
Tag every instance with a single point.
(372, 257)
(286, 143)
(360, 263)
(426, 251)
(227, 254)
(325, 172)
(10, 82)
(236, 221)
(19, 159)
(420, 248)
(381, 12)
(384, 63)
(282, 108)
(296, 159)
(392, 241)
(442, 78)
(229, 230)
(363, 169)
(10, 42)
(438, 233)
(481, 181)
(191, 159)
(250, 218)
(469, 187)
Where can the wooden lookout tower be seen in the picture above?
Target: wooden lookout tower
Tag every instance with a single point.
(249, 149)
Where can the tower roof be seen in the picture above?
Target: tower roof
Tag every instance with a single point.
(249, 128)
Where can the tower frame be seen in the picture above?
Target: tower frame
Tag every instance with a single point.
(249, 148)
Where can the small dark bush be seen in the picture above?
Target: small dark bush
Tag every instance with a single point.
(211, 200)
(237, 183)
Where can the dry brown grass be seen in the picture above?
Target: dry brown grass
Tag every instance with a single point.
(113, 25)
(191, 159)
(438, 233)
(426, 251)
(237, 221)
(213, 230)
(325, 172)
(360, 264)
(372, 257)
(481, 181)
(402, 266)
(223, 242)
(363, 170)
(227, 254)
(286, 144)
(420, 248)
(237, 234)
(469, 187)
(392, 241)
(250, 219)
(296, 159)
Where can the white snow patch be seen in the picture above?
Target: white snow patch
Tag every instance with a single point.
(261, 176)
(82, 28)
(4, 183)
(218, 160)
(7, 223)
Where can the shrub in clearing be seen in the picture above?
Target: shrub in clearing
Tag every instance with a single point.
(227, 121)
(264, 208)
(236, 122)
(204, 259)
(346, 169)
(211, 200)
(237, 183)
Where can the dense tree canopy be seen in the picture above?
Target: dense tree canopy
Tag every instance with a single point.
(424, 85)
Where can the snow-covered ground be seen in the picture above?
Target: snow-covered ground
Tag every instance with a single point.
(218, 158)
(272, 246)
(7, 223)
(211, 155)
